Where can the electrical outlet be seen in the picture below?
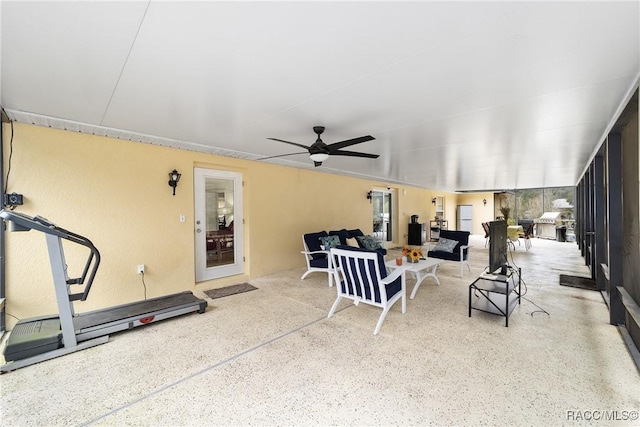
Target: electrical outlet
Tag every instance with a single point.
(141, 269)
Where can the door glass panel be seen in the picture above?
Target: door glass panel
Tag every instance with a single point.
(218, 224)
(220, 227)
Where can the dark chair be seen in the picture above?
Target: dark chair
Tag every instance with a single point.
(528, 234)
(317, 258)
(485, 227)
(458, 253)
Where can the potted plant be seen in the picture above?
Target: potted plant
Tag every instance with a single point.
(505, 210)
(413, 254)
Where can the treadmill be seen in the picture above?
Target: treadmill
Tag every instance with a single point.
(42, 338)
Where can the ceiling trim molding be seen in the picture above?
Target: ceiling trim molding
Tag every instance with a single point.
(623, 104)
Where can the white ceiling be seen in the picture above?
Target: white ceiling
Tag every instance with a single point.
(459, 95)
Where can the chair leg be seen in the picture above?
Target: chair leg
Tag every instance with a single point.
(462, 264)
(334, 306)
(380, 320)
(306, 274)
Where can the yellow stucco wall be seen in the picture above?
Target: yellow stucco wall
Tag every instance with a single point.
(115, 193)
(481, 213)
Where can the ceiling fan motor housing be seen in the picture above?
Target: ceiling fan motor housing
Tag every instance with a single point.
(319, 147)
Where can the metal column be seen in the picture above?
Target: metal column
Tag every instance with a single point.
(3, 320)
(599, 246)
(616, 232)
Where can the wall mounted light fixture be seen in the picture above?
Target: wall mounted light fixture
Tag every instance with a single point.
(370, 196)
(484, 201)
(174, 177)
(433, 201)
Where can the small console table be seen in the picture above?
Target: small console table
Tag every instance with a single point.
(496, 293)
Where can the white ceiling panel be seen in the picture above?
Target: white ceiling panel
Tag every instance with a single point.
(63, 58)
(459, 95)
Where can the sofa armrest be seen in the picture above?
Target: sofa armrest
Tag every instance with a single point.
(462, 248)
(310, 254)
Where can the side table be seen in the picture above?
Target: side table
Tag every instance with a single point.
(496, 294)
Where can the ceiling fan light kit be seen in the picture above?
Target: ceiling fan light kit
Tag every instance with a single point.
(319, 151)
(319, 157)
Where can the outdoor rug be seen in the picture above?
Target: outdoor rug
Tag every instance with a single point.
(229, 290)
(577, 282)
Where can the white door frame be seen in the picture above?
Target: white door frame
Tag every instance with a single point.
(203, 272)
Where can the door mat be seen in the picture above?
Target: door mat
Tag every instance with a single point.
(229, 290)
(577, 282)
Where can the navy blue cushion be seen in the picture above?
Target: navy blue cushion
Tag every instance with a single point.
(449, 256)
(355, 232)
(463, 239)
(313, 243)
(319, 262)
(394, 287)
(391, 288)
(383, 268)
(343, 235)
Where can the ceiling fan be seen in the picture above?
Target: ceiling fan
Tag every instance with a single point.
(319, 151)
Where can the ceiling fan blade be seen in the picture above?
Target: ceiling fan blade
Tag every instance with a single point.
(282, 155)
(289, 142)
(348, 142)
(354, 154)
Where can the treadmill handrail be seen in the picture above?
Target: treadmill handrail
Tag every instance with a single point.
(43, 225)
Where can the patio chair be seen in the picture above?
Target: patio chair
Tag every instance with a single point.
(361, 276)
(528, 234)
(453, 246)
(485, 227)
(317, 258)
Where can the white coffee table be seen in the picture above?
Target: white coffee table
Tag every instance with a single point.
(421, 270)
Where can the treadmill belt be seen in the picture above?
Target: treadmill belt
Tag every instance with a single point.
(113, 314)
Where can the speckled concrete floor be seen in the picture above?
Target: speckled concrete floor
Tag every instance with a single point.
(271, 357)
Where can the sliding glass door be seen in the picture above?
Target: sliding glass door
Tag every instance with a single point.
(383, 218)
